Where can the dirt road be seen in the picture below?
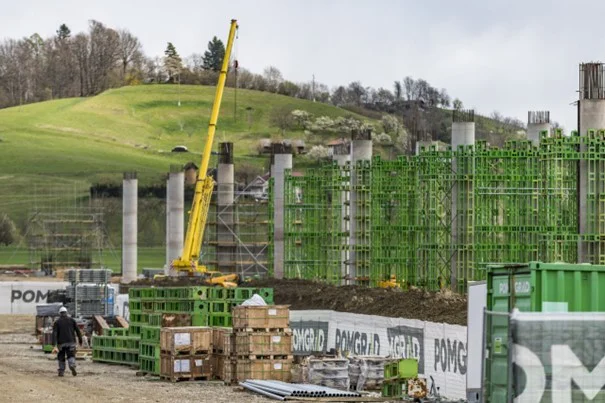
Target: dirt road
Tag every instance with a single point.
(27, 375)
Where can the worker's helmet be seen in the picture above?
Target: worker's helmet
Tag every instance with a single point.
(63, 310)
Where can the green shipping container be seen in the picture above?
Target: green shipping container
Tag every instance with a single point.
(533, 287)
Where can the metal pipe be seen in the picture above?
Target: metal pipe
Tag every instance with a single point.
(261, 391)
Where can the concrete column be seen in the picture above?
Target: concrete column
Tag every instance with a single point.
(175, 214)
(463, 134)
(226, 242)
(537, 122)
(591, 116)
(129, 227)
(342, 156)
(361, 150)
(281, 161)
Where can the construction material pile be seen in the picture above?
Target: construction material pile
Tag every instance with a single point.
(263, 342)
(88, 293)
(186, 353)
(282, 390)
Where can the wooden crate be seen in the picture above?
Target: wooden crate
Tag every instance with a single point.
(189, 367)
(261, 317)
(224, 368)
(277, 370)
(263, 343)
(186, 340)
(223, 340)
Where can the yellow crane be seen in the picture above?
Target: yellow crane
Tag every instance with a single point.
(189, 260)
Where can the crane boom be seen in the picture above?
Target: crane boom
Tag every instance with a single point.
(205, 184)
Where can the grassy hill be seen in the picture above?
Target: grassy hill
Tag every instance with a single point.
(71, 143)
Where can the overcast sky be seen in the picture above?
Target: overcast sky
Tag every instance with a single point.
(509, 56)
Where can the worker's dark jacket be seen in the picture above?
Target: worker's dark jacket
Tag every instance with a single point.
(63, 331)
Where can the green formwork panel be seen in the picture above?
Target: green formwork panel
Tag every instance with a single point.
(220, 307)
(397, 389)
(217, 320)
(200, 319)
(134, 305)
(147, 293)
(149, 350)
(154, 320)
(150, 334)
(116, 331)
(182, 293)
(149, 365)
(139, 318)
(148, 306)
(134, 293)
(218, 293)
(134, 330)
(266, 294)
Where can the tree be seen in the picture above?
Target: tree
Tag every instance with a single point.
(398, 90)
(409, 86)
(273, 77)
(356, 93)
(172, 62)
(339, 96)
(213, 57)
(457, 104)
(282, 118)
(63, 32)
(8, 230)
(130, 49)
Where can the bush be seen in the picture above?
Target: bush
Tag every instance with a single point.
(8, 230)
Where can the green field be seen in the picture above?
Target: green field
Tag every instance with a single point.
(63, 146)
(147, 257)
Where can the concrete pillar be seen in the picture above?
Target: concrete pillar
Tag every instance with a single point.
(463, 134)
(226, 242)
(282, 160)
(537, 122)
(129, 227)
(175, 214)
(342, 156)
(361, 150)
(591, 116)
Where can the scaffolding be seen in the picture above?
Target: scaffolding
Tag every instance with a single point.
(64, 229)
(237, 235)
(438, 218)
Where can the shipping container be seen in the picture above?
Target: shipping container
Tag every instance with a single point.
(533, 287)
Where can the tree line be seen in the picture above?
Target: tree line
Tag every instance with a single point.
(36, 69)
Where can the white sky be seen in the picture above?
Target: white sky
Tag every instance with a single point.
(510, 56)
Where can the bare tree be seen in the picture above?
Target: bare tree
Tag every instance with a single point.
(129, 50)
(273, 78)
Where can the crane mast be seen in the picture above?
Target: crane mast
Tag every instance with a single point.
(188, 261)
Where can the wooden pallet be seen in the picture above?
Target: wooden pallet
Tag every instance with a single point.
(185, 378)
(184, 353)
(285, 330)
(264, 357)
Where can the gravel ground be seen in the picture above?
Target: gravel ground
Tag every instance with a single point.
(27, 375)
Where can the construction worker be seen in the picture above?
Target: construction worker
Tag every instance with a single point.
(64, 341)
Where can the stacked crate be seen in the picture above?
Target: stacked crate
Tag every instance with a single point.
(185, 353)
(224, 354)
(116, 346)
(396, 376)
(154, 308)
(263, 342)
